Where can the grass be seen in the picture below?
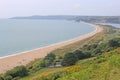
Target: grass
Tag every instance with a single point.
(105, 67)
(111, 33)
(41, 71)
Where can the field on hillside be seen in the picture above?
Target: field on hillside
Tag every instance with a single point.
(104, 67)
(106, 35)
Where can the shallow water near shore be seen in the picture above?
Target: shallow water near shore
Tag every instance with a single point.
(23, 35)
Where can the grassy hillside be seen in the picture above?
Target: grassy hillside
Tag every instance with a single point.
(104, 67)
(85, 66)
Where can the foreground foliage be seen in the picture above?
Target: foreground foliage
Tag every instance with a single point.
(104, 67)
(71, 58)
(16, 73)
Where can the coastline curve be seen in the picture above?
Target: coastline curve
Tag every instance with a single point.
(9, 62)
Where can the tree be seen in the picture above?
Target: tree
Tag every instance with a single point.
(50, 57)
(22, 71)
(79, 54)
(114, 42)
(1, 78)
(69, 59)
(19, 71)
(43, 64)
(8, 77)
(48, 60)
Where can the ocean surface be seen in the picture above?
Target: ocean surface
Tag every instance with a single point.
(24, 35)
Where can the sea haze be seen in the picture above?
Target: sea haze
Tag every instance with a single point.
(22, 35)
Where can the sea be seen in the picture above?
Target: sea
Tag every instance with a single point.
(19, 35)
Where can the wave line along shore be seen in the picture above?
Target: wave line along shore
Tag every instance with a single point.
(9, 62)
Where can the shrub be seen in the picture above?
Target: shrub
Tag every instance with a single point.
(43, 64)
(50, 57)
(69, 59)
(80, 55)
(48, 60)
(114, 42)
(1, 78)
(8, 77)
(19, 71)
(72, 69)
(53, 76)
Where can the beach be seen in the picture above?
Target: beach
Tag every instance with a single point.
(9, 62)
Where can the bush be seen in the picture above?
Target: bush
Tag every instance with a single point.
(69, 59)
(43, 64)
(19, 71)
(80, 55)
(50, 57)
(48, 60)
(114, 42)
(1, 78)
(8, 77)
(55, 76)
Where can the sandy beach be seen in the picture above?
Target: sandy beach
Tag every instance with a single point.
(9, 62)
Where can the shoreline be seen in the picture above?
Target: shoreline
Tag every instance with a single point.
(23, 58)
(19, 53)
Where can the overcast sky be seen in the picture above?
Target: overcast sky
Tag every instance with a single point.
(10, 8)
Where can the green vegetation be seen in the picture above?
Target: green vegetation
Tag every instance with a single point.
(103, 67)
(48, 60)
(114, 42)
(99, 19)
(97, 49)
(95, 58)
(71, 58)
(16, 73)
(1, 78)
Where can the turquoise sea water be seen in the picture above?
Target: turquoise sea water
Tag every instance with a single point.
(22, 35)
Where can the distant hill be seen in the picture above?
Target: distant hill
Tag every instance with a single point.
(46, 17)
(91, 19)
(99, 19)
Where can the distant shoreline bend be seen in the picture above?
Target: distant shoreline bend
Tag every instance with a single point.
(7, 63)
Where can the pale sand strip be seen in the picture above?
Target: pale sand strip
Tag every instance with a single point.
(7, 63)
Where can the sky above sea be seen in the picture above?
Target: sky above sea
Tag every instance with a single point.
(12, 8)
